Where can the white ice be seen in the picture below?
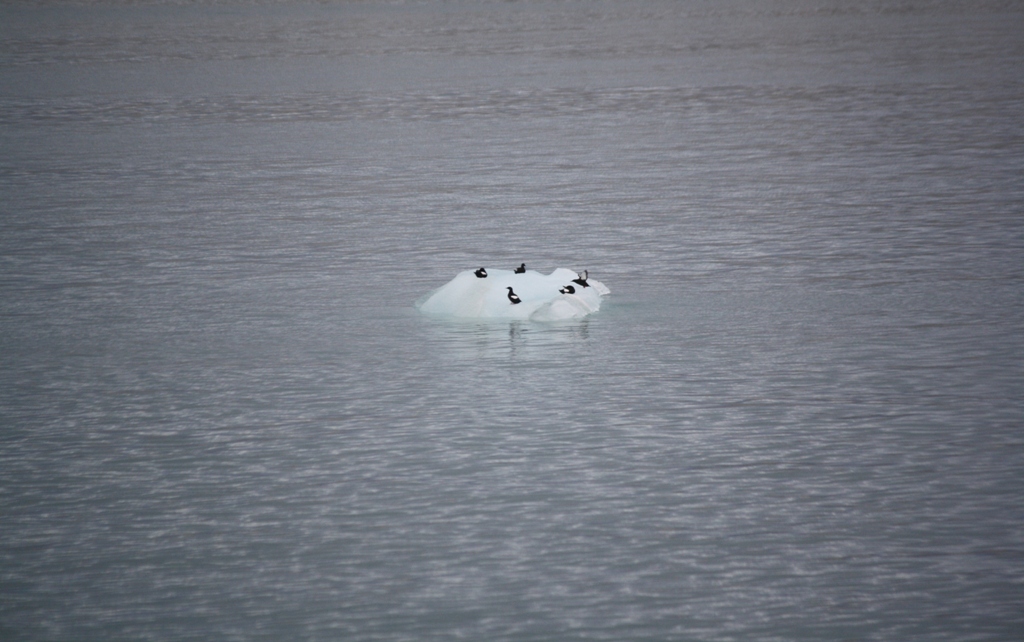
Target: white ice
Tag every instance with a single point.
(469, 297)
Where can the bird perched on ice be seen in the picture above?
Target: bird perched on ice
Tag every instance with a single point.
(513, 297)
(521, 269)
(568, 290)
(481, 273)
(582, 279)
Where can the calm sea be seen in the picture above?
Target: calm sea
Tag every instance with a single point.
(798, 416)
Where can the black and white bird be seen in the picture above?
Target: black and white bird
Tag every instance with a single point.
(568, 290)
(521, 269)
(582, 279)
(481, 273)
(513, 297)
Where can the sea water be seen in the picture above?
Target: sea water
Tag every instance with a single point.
(798, 416)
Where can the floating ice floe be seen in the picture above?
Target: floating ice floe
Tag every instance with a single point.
(468, 296)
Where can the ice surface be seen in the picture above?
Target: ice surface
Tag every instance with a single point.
(469, 297)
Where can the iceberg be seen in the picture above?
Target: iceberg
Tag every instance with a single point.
(470, 297)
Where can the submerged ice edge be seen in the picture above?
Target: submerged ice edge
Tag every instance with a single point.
(504, 294)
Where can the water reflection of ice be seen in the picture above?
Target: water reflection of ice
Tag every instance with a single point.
(501, 341)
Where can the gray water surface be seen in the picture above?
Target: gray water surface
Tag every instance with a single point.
(798, 416)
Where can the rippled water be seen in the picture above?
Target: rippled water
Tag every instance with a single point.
(800, 414)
